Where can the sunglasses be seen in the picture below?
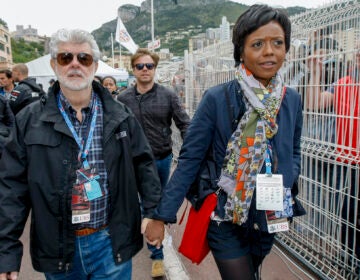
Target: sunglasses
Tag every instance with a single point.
(66, 58)
(140, 66)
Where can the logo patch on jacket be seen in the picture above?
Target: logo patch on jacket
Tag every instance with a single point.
(121, 134)
(14, 95)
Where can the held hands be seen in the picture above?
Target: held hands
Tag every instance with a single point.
(153, 230)
(9, 276)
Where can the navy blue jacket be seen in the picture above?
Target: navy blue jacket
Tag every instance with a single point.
(211, 124)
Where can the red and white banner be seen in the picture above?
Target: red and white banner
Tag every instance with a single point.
(154, 45)
(124, 38)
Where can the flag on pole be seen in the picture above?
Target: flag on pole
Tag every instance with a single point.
(154, 45)
(124, 38)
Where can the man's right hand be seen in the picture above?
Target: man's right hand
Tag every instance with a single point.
(9, 276)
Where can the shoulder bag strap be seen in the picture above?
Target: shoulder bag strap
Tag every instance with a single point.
(230, 108)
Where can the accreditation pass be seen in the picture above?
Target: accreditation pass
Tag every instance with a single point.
(269, 192)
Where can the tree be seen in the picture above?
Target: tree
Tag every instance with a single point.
(23, 51)
(3, 23)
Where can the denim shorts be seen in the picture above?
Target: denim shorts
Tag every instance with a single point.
(230, 241)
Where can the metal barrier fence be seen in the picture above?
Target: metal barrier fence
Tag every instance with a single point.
(324, 50)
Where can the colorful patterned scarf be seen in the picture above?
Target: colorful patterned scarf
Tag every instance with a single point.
(247, 146)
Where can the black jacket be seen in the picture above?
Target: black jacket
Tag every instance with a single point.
(155, 110)
(37, 171)
(6, 122)
(24, 93)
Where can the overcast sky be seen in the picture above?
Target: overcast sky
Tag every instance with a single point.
(47, 16)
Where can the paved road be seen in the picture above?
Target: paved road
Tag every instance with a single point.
(275, 266)
(141, 263)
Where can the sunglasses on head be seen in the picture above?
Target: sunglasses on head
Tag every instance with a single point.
(140, 66)
(66, 58)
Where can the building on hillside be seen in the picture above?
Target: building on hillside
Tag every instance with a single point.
(224, 30)
(348, 39)
(211, 36)
(5, 48)
(164, 54)
(22, 32)
(28, 34)
(221, 33)
(201, 41)
(123, 62)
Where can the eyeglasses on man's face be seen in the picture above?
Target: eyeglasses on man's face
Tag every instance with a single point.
(140, 66)
(66, 58)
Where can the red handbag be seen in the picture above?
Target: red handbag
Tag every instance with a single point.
(194, 243)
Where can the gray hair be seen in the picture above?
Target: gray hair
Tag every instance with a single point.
(77, 36)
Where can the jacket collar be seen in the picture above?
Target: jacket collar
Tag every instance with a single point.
(153, 89)
(113, 113)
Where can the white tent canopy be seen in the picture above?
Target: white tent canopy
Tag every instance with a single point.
(41, 70)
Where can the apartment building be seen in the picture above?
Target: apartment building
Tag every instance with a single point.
(5, 47)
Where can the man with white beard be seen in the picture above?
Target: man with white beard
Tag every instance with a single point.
(78, 161)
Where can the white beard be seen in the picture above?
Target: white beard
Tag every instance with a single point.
(78, 85)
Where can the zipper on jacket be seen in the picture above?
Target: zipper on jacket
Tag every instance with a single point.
(139, 100)
(67, 265)
(142, 122)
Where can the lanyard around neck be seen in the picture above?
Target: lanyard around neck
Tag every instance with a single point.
(84, 150)
(268, 163)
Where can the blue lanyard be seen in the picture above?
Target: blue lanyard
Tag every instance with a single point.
(84, 150)
(268, 160)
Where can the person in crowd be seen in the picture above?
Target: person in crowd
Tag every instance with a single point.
(98, 79)
(110, 83)
(322, 71)
(347, 111)
(343, 95)
(324, 67)
(79, 160)
(51, 82)
(26, 91)
(122, 88)
(155, 106)
(6, 83)
(263, 144)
